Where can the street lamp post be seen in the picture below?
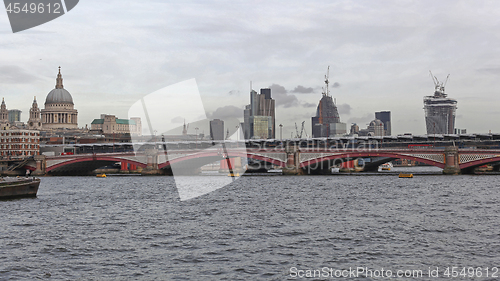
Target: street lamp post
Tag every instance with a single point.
(164, 144)
(281, 132)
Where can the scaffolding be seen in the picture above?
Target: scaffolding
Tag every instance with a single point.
(439, 110)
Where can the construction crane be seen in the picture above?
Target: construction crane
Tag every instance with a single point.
(434, 79)
(326, 81)
(439, 85)
(302, 130)
(446, 81)
(326, 91)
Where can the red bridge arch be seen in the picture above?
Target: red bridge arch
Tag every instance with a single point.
(355, 155)
(92, 158)
(213, 154)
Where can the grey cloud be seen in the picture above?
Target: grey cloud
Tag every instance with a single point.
(281, 96)
(490, 70)
(344, 108)
(361, 121)
(11, 74)
(277, 89)
(226, 112)
(336, 85)
(302, 90)
(308, 105)
(233, 92)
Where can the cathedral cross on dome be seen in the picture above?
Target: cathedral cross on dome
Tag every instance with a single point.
(59, 80)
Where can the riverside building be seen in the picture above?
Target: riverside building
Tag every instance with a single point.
(19, 143)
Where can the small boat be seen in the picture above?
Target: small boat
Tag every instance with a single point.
(101, 175)
(405, 175)
(386, 166)
(18, 187)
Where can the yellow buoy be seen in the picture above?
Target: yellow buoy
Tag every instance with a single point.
(101, 175)
(406, 175)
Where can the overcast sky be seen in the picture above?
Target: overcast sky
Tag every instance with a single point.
(112, 53)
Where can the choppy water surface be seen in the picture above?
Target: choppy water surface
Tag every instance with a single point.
(258, 228)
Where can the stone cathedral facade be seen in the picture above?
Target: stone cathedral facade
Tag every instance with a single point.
(59, 111)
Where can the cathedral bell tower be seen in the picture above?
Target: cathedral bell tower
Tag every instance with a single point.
(4, 116)
(34, 122)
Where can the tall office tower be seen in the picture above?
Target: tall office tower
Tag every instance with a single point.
(267, 108)
(385, 118)
(266, 92)
(354, 129)
(246, 121)
(439, 110)
(259, 116)
(216, 129)
(376, 128)
(327, 123)
(14, 115)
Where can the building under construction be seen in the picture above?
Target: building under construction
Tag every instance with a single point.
(327, 123)
(439, 110)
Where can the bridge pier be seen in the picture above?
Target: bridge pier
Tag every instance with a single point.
(124, 167)
(127, 167)
(452, 166)
(41, 164)
(292, 166)
(132, 167)
(152, 163)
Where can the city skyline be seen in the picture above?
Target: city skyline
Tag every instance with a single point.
(379, 58)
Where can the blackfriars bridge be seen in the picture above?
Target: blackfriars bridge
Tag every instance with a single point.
(292, 159)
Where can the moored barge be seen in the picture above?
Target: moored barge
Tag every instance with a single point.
(18, 187)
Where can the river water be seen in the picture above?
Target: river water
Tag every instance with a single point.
(257, 228)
